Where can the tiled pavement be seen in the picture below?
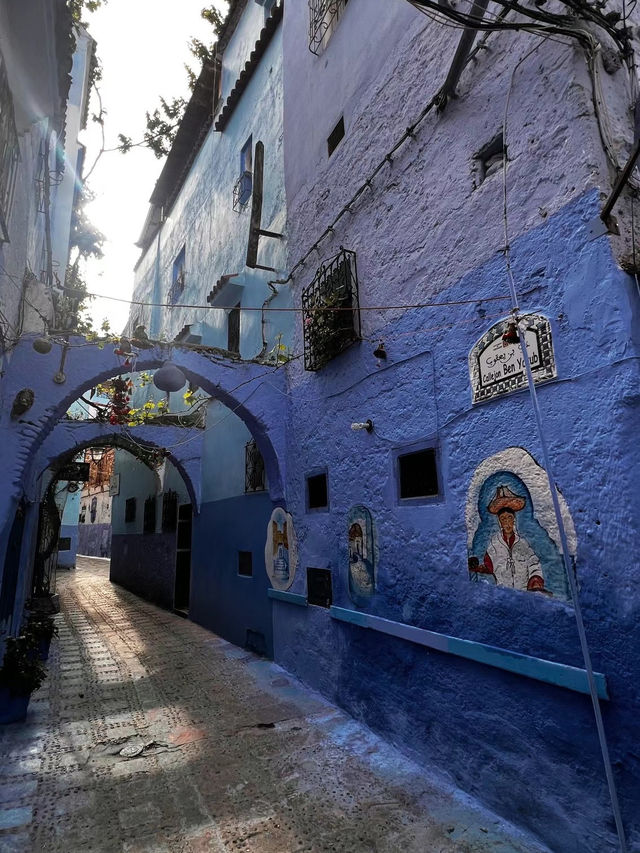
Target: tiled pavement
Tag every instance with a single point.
(151, 734)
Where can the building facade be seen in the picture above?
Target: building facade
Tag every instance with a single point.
(364, 258)
(431, 538)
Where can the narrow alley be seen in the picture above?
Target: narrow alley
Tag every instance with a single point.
(152, 734)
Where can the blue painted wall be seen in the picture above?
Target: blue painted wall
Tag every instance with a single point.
(234, 606)
(526, 749)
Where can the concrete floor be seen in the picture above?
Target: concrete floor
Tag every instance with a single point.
(152, 734)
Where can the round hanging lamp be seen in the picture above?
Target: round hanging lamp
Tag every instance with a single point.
(169, 377)
(42, 345)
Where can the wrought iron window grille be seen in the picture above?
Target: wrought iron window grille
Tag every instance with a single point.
(169, 511)
(177, 288)
(331, 311)
(242, 191)
(9, 153)
(254, 472)
(149, 518)
(323, 14)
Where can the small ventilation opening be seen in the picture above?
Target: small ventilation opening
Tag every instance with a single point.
(319, 591)
(490, 158)
(335, 136)
(418, 474)
(317, 492)
(245, 563)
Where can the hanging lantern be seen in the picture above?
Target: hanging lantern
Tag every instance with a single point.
(169, 378)
(511, 335)
(42, 345)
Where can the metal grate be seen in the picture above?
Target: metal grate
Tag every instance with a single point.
(9, 153)
(169, 511)
(254, 474)
(149, 518)
(242, 191)
(322, 15)
(330, 310)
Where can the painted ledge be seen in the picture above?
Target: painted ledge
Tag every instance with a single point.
(551, 672)
(289, 597)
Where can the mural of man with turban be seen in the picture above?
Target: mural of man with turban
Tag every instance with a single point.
(509, 558)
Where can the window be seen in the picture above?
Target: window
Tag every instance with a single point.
(330, 310)
(233, 330)
(244, 184)
(129, 510)
(317, 492)
(82, 518)
(323, 19)
(93, 509)
(169, 511)
(319, 591)
(254, 473)
(9, 153)
(149, 520)
(177, 277)
(245, 563)
(64, 543)
(335, 136)
(418, 474)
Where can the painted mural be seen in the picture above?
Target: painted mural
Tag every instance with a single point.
(280, 552)
(362, 554)
(513, 538)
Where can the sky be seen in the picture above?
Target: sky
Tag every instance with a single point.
(142, 47)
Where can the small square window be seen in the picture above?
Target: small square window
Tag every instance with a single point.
(418, 474)
(335, 136)
(245, 564)
(317, 491)
(130, 510)
(64, 543)
(319, 590)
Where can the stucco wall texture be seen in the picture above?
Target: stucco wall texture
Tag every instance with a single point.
(427, 230)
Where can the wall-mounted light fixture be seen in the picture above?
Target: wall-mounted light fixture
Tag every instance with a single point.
(368, 425)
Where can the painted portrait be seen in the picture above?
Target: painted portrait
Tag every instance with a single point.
(280, 553)
(513, 540)
(362, 554)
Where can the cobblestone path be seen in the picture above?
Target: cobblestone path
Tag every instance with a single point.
(152, 734)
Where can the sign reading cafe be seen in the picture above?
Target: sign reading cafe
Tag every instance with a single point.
(496, 366)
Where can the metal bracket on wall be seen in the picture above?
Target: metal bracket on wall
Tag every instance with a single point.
(255, 228)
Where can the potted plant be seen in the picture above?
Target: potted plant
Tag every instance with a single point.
(41, 628)
(21, 673)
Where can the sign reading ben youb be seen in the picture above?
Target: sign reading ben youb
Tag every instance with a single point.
(496, 368)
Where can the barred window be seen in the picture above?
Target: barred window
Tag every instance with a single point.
(254, 473)
(149, 521)
(169, 511)
(323, 18)
(330, 310)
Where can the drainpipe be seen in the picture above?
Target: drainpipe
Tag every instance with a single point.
(465, 44)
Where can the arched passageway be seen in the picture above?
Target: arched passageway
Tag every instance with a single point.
(228, 526)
